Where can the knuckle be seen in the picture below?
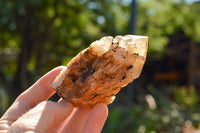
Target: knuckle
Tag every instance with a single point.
(3, 125)
(20, 127)
(15, 128)
(45, 105)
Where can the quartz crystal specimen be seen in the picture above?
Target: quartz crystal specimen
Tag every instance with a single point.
(98, 73)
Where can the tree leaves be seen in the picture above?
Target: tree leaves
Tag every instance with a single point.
(158, 19)
(59, 29)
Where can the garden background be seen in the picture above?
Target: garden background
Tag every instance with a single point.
(36, 36)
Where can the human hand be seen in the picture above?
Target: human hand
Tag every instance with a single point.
(32, 113)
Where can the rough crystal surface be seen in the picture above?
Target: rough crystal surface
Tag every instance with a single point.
(97, 73)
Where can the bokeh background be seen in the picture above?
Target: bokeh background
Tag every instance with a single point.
(36, 36)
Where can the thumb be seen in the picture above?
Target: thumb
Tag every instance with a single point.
(44, 116)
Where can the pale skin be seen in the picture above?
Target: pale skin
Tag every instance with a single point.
(32, 113)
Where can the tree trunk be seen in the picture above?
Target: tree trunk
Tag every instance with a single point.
(133, 17)
(20, 78)
(191, 63)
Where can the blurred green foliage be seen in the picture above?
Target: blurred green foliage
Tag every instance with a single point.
(55, 31)
(158, 19)
(50, 33)
(186, 96)
(168, 116)
(58, 30)
(4, 100)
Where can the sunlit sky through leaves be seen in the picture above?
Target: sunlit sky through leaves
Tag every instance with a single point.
(191, 1)
(187, 1)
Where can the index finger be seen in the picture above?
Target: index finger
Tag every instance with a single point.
(37, 93)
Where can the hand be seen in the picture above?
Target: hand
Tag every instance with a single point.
(31, 113)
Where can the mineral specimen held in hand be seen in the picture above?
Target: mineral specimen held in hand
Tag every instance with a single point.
(98, 73)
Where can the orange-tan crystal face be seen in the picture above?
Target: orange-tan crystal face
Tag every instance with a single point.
(97, 74)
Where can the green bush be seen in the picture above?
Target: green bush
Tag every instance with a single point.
(4, 101)
(156, 113)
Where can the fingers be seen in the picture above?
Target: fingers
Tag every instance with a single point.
(4, 125)
(42, 89)
(96, 119)
(87, 120)
(37, 93)
(43, 117)
(30, 111)
(77, 121)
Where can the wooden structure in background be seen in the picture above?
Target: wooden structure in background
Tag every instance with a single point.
(180, 62)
